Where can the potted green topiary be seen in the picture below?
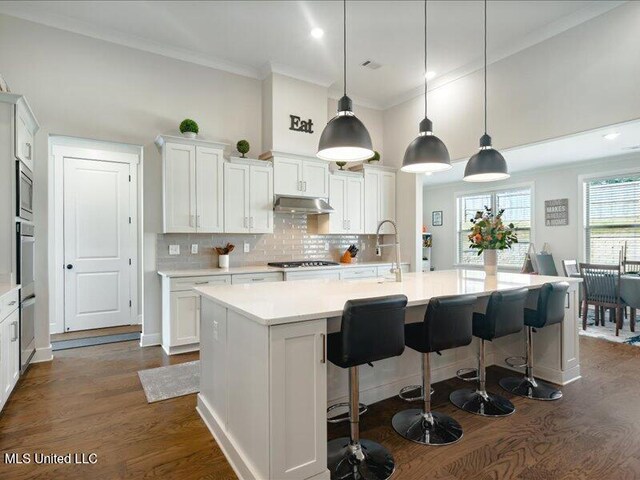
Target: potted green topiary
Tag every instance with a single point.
(243, 147)
(189, 128)
(375, 157)
(341, 165)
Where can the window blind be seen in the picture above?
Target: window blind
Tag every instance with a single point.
(612, 218)
(517, 206)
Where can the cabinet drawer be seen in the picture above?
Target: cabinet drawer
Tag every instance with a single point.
(187, 283)
(364, 272)
(256, 278)
(9, 303)
(315, 274)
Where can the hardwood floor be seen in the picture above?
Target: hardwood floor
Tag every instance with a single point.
(90, 400)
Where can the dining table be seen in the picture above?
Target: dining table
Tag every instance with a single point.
(629, 294)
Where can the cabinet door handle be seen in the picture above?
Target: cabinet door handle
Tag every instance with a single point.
(299, 185)
(250, 222)
(198, 221)
(324, 348)
(201, 283)
(15, 331)
(257, 279)
(244, 222)
(13, 303)
(29, 146)
(305, 186)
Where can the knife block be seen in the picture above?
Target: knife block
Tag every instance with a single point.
(346, 257)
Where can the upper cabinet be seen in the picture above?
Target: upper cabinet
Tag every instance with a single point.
(346, 196)
(192, 177)
(379, 196)
(300, 176)
(248, 198)
(25, 130)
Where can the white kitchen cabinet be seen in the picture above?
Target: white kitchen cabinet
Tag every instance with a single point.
(379, 197)
(9, 350)
(181, 311)
(248, 199)
(192, 185)
(312, 275)
(346, 197)
(298, 400)
(256, 278)
(301, 177)
(358, 272)
(25, 130)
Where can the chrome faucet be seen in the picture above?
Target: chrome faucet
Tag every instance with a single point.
(397, 270)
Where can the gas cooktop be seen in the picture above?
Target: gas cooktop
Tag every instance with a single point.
(306, 263)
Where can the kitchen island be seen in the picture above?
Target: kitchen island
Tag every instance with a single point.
(265, 381)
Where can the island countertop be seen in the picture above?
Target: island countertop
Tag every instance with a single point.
(287, 302)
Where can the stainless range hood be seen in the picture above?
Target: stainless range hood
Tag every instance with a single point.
(310, 206)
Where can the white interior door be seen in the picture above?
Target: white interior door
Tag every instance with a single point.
(97, 244)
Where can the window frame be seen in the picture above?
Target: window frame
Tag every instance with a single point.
(491, 191)
(583, 181)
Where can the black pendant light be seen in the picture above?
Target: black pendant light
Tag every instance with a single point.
(345, 138)
(488, 165)
(427, 153)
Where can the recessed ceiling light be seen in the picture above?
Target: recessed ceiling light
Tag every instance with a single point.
(611, 136)
(317, 32)
(430, 75)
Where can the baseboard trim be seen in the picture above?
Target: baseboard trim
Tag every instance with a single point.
(241, 468)
(193, 347)
(42, 355)
(150, 340)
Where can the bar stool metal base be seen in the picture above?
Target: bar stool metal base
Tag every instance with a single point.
(530, 388)
(364, 461)
(414, 425)
(482, 403)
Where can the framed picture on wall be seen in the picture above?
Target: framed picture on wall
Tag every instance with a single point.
(436, 218)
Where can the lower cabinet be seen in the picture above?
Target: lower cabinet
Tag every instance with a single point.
(181, 311)
(298, 399)
(9, 354)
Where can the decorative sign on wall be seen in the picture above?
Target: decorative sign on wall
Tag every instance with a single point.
(556, 212)
(299, 125)
(436, 218)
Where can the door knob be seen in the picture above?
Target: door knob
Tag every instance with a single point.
(69, 266)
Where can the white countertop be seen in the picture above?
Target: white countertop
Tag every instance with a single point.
(287, 302)
(202, 272)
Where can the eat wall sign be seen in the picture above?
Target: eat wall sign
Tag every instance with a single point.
(299, 125)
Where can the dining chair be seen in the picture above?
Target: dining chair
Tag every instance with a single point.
(571, 269)
(602, 290)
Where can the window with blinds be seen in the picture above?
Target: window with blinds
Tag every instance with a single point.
(612, 218)
(517, 210)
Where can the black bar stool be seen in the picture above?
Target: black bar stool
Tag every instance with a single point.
(372, 329)
(550, 310)
(504, 316)
(447, 324)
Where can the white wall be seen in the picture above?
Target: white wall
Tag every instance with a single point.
(566, 242)
(80, 86)
(290, 96)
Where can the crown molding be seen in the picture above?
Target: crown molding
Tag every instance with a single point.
(293, 72)
(336, 94)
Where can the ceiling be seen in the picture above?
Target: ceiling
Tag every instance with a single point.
(580, 147)
(254, 37)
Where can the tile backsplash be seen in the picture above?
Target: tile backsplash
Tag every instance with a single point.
(290, 240)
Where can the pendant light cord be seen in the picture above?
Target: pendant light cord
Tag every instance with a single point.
(425, 58)
(485, 67)
(344, 45)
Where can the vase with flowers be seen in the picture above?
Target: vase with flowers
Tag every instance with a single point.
(490, 234)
